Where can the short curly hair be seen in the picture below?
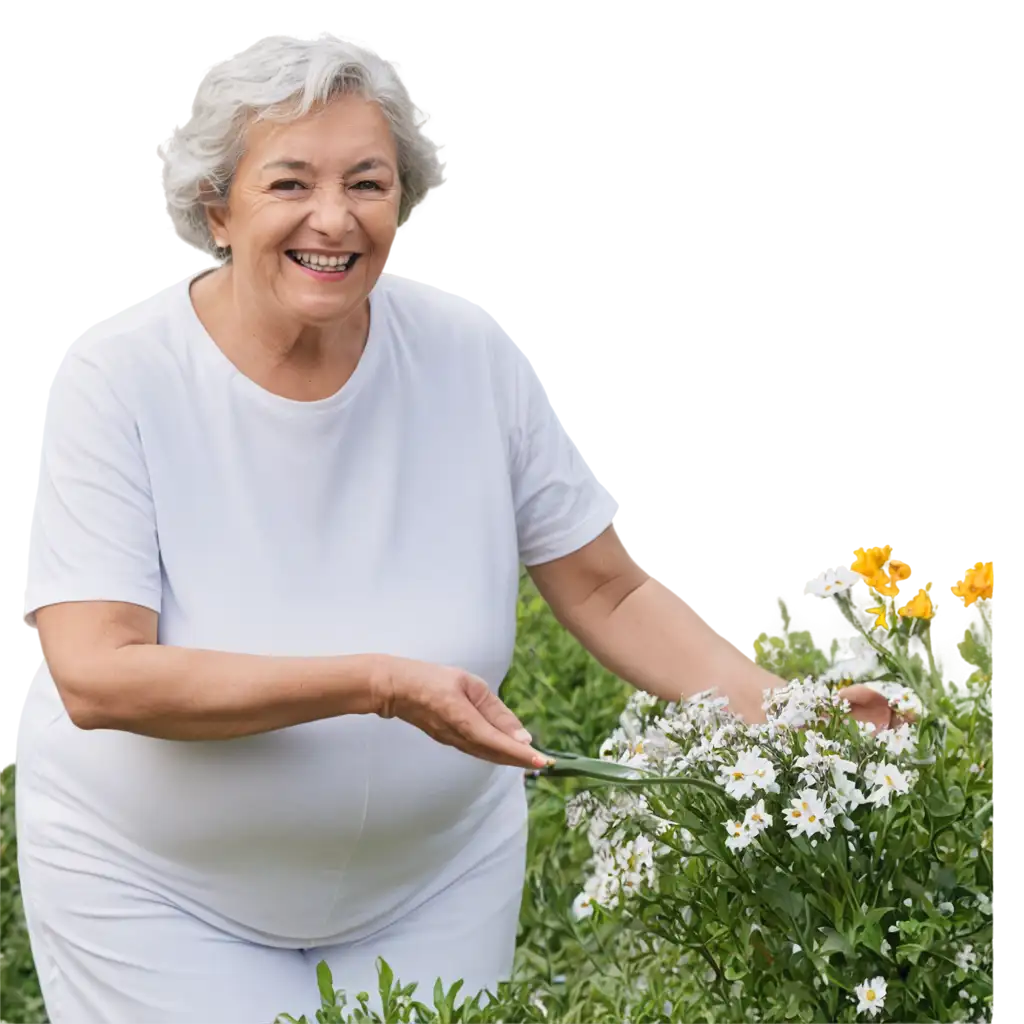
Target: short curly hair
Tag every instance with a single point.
(281, 78)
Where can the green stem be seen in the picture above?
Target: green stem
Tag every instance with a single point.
(886, 655)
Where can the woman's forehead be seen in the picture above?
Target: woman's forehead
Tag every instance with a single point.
(350, 131)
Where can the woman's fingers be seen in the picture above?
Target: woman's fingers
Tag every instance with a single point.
(481, 737)
(480, 733)
(460, 709)
(495, 711)
(868, 705)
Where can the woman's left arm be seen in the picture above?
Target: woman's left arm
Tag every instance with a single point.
(646, 635)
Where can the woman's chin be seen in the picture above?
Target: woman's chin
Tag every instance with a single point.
(323, 311)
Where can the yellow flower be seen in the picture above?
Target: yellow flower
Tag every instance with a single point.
(919, 607)
(880, 621)
(870, 562)
(977, 582)
(883, 584)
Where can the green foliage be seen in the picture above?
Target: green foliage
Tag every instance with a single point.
(566, 699)
(787, 933)
(20, 998)
(641, 961)
(791, 655)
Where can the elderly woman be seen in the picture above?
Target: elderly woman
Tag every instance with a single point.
(274, 567)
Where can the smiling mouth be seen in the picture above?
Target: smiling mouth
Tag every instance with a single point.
(323, 268)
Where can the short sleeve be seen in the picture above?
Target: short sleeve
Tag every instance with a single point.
(560, 506)
(93, 535)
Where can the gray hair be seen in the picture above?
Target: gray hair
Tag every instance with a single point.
(281, 78)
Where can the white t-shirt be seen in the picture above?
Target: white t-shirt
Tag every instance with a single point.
(388, 518)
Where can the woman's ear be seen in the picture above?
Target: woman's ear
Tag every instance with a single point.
(217, 229)
(215, 208)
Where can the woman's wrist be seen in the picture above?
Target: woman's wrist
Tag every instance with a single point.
(383, 695)
(744, 683)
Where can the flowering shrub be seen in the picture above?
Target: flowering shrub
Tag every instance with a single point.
(681, 936)
(804, 869)
(821, 871)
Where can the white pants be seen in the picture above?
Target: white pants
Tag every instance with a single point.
(108, 951)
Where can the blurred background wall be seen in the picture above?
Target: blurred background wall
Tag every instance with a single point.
(771, 262)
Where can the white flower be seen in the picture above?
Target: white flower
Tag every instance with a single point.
(631, 864)
(832, 582)
(626, 746)
(749, 771)
(806, 815)
(871, 994)
(583, 906)
(966, 959)
(863, 661)
(797, 704)
(887, 779)
(579, 807)
(757, 819)
(740, 834)
(822, 754)
(641, 700)
(847, 795)
(896, 741)
(900, 697)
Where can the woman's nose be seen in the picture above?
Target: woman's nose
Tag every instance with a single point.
(332, 214)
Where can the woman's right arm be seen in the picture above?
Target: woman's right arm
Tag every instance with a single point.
(94, 593)
(111, 673)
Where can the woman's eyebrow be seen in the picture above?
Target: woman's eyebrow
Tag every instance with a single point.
(305, 165)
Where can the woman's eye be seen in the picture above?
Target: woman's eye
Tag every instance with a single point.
(290, 181)
(373, 184)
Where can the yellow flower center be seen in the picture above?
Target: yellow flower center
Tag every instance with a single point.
(888, 780)
(870, 995)
(795, 813)
(737, 775)
(812, 818)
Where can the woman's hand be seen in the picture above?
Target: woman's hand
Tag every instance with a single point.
(456, 708)
(868, 705)
(748, 685)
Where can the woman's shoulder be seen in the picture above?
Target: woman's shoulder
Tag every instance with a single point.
(125, 343)
(445, 327)
(428, 307)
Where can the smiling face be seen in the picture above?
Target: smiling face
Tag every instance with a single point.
(324, 184)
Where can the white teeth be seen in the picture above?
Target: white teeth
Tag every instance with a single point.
(318, 261)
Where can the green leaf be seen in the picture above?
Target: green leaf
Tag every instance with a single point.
(735, 970)
(386, 976)
(568, 765)
(835, 943)
(871, 936)
(910, 951)
(325, 982)
(779, 894)
(940, 807)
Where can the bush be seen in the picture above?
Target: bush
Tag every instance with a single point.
(819, 900)
(20, 998)
(643, 956)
